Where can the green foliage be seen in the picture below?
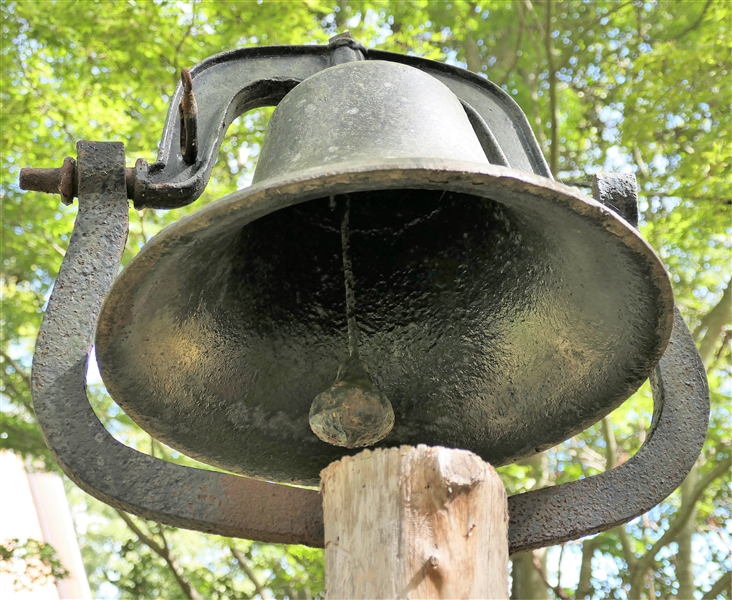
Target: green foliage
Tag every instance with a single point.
(30, 563)
(635, 86)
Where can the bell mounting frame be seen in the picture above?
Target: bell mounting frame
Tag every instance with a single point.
(235, 506)
(224, 86)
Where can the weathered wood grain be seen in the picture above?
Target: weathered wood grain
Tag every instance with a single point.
(414, 523)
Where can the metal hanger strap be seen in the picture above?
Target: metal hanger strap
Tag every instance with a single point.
(229, 505)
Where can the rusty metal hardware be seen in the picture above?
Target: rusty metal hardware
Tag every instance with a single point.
(232, 83)
(52, 181)
(63, 181)
(619, 192)
(189, 120)
(346, 49)
(116, 474)
(235, 506)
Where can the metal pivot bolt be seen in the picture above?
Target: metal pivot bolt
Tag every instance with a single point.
(52, 181)
(63, 180)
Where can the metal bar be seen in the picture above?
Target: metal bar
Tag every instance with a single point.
(112, 472)
(681, 412)
(680, 417)
(232, 83)
(235, 506)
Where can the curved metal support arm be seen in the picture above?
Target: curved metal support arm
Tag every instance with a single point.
(224, 86)
(219, 89)
(680, 416)
(228, 505)
(112, 472)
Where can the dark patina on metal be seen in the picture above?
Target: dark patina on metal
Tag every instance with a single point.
(499, 311)
(241, 507)
(116, 474)
(229, 84)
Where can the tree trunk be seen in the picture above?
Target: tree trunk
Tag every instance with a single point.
(712, 325)
(414, 522)
(552, 81)
(684, 562)
(584, 586)
(527, 583)
(472, 54)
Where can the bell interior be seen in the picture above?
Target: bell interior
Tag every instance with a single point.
(495, 328)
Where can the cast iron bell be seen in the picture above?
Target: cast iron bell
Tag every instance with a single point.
(497, 311)
(404, 259)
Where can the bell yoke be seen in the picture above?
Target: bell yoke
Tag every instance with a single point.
(403, 270)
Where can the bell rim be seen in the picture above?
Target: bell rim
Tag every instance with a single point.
(452, 175)
(476, 179)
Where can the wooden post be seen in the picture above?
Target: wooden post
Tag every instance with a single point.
(414, 523)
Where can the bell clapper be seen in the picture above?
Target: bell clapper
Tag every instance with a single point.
(351, 413)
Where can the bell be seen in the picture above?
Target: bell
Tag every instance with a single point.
(496, 310)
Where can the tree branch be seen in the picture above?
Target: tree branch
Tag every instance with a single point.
(244, 564)
(615, 9)
(611, 457)
(695, 24)
(163, 551)
(559, 565)
(552, 80)
(555, 588)
(712, 324)
(472, 54)
(145, 539)
(540, 25)
(184, 37)
(686, 511)
(517, 48)
(726, 338)
(723, 583)
(611, 445)
(16, 367)
(584, 585)
(9, 386)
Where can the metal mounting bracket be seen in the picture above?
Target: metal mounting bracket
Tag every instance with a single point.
(222, 87)
(234, 506)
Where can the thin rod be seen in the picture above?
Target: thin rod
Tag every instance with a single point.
(348, 276)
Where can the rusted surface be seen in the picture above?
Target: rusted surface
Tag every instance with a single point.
(189, 119)
(116, 474)
(235, 506)
(346, 49)
(67, 185)
(680, 417)
(232, 83)
(52, 181)
(618, 191)
(63, 181)
(40, 180)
